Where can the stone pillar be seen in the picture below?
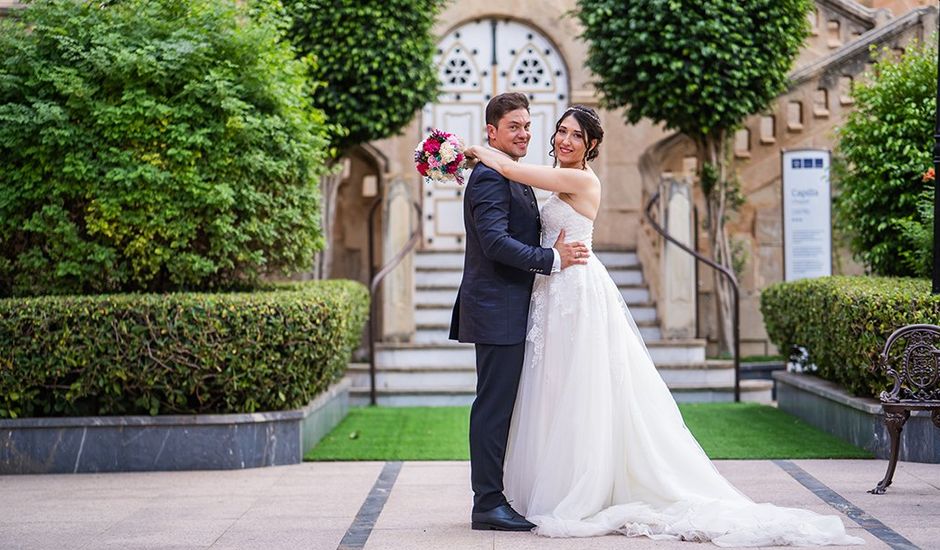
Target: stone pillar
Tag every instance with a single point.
(398, 288)
(678, 291)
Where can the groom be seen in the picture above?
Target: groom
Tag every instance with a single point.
(502, 257)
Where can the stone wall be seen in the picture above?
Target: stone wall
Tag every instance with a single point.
(806, 116)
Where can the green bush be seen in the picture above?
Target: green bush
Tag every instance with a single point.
(884, 147)
(153, 145)
(374, 58)
(176, 353)
(917, 232)
(843, 322)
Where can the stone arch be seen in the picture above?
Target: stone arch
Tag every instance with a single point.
(361, 184)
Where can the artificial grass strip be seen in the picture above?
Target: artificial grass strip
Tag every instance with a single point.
(398, 433)
(725, 431)
(754, 431)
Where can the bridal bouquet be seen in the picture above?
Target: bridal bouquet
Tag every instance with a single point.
(439, 158)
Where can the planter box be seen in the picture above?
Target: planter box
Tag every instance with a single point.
(858, 420)
(177, 442)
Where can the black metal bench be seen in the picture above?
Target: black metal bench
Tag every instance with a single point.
(915, 370)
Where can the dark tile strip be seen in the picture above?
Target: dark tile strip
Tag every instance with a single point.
(884, 533)
(358, 533)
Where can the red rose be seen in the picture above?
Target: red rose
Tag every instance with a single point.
(452, 168)
(423, 168)
(432, 146)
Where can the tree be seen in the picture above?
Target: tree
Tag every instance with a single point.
(375, 60)
(699, 67)
(153, 145)
(884, 148)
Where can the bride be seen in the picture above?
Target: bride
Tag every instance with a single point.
(597, 444)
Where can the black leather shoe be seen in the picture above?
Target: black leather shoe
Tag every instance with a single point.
(501, 518)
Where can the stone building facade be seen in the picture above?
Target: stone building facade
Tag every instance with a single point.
(533, 46)
(488, 47)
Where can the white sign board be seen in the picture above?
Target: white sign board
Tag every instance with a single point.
(807, 218)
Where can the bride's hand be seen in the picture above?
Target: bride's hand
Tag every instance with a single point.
(494, 158)
(472, 152)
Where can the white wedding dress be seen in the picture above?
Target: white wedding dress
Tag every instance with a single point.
(597, 444)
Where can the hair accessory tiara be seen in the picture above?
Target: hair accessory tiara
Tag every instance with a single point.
(584, 110)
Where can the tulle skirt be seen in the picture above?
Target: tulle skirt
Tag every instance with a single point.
(598, 446)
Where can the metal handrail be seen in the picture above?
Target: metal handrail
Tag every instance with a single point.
(375, 279)
(728, 275)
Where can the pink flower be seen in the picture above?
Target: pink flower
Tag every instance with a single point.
(432, 146)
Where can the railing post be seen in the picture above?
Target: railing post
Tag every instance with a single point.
(375, 279)
(936, 195)
(732, 280)
(372, 313)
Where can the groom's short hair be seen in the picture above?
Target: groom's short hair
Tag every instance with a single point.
(504, 103)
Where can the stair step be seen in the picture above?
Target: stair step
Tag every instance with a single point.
(626, 277)
(438, 316)
(681, 377)
(435, 297)
(643, 314)
(388, 378)
(450, 278)
(440, 296)
(635, 294)
(415, 397)
(612, 259)
(424, 355)
(706, 374)
(451, 260)
(754, 391)
(438, 279)
(431, 333)
(457, 354)
(677, 351)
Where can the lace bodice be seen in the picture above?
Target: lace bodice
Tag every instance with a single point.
(557, 215)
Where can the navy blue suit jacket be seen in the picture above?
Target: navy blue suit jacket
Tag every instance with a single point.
(502, 257)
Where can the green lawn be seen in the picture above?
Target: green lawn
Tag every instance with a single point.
(725, 430)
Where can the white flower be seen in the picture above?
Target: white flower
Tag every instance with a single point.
(447, 152)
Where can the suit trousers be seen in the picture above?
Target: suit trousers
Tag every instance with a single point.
(498, 372)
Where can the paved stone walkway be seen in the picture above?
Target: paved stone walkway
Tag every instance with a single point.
(403, 506)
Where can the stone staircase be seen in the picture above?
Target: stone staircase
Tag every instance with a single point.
(435, 371)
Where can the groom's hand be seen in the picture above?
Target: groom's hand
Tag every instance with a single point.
(571, 253)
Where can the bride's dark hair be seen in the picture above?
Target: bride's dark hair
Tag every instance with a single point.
(590, 130)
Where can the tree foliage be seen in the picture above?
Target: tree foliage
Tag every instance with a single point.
(698, 66)
(153, 145)
(374, 58)
(884, 149)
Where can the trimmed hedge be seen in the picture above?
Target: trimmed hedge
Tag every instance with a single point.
(176, 353)
(844, 322)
